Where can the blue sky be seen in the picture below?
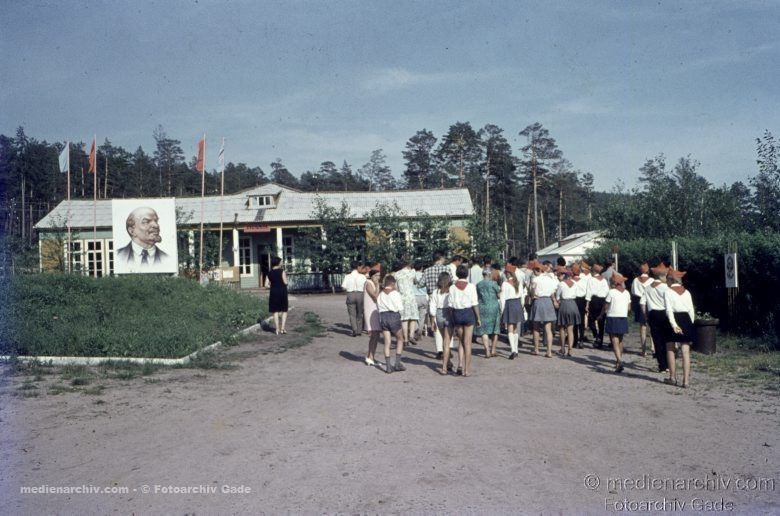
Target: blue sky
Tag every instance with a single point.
(614, 82)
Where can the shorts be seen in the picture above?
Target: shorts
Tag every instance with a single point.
(390, 321)
(463, 317)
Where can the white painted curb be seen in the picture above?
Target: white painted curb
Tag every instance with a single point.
(88, 361)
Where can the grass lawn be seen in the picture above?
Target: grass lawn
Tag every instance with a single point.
(128, 316)
(743, 361)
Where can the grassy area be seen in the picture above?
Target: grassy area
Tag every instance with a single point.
(742, 361)
(129, 316)
(36, 379)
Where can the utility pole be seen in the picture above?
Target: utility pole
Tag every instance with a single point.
(536, 211)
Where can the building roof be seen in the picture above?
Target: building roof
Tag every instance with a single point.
(574, 244)
(291, 206)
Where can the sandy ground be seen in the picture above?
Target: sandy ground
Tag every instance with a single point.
(315, 430)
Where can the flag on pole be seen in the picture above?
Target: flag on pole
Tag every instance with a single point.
(65, 159)
(93, 156)
(200, 165)
(221, 159)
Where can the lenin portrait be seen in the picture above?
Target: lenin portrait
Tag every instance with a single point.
(147, 246)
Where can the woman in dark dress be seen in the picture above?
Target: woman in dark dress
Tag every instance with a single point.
(277, 301)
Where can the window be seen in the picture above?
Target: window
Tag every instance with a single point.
(76, 256)
(95, 258)
(110, 256)
(261, 201)
(288, 249)
(245, 256)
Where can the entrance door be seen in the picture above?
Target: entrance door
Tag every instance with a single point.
(264, 260)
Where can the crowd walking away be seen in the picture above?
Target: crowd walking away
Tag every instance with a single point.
(460, 302)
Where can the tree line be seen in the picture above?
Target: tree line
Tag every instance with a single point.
(525, 198)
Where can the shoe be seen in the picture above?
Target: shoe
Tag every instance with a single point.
(459, 372)
(370, 362)
(399, 365)
(619, 368)
(284, 332)
(449, 367)
(439, 355)
(388, 368)
(669, 381)
(512, 356)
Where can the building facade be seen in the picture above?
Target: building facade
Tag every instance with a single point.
(258, 223)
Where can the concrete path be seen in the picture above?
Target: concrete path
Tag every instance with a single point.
(315, 430)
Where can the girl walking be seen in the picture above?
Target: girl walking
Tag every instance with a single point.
(488, 292)
(568, 311)
(371, 312)
(465, 315)
(511, 300)
(681, 314)
(441, 313)
(616, 306)
(543, 315)
(277, 299)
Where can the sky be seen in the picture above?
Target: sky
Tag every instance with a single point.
(615, 83)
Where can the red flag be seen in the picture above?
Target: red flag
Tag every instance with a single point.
(200, 165)
(93, 156)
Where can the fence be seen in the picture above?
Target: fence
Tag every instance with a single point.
(314, 282)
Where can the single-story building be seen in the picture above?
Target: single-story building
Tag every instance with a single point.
(572, 248)
(257, 223)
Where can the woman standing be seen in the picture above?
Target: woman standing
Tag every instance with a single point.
(277, 300)
(680, 313)
(405, 283)
(568, 311)
(465, 315)
(490, 311)
(511, 300)
(616, 306)
(371, 313)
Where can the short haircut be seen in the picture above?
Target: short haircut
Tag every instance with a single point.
(444, 280)
(512, 260)
(275, 261)
(487, 259)
(457, 258)
(462, 272)
(438, 255)
(389, 281)
(561, 261)
(355, 264)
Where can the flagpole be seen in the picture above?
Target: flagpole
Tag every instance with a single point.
(202, 197)
(94, 209)
(67, 220)
(221, 198)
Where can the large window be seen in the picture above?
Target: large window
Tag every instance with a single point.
(76, 256)
(245, 256)
(95, 257)
(110, 257)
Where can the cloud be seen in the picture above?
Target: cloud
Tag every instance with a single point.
(389, 79)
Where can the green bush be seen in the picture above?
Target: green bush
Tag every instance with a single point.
(758, 305)
(128, 316)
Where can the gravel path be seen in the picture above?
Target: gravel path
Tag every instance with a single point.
(314, 430)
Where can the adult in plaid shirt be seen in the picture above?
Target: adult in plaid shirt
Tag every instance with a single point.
(430, 276)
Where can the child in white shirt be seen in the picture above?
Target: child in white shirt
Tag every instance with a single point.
(616, 306)
(390, 304)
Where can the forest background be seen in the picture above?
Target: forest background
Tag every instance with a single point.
(524, 199)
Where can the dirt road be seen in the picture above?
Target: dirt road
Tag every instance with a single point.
(314, 429)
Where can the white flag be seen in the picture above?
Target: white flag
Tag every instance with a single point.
(65, 158)
(221, 159)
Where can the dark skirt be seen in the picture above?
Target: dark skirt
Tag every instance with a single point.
(595, 308)
(277, 299)
(513, 312)
(463, 317)
(616, 325)
(390, 321)
(659, 327)
(543, 310)
(568, 313)
(443, 318)
(686, 325)
(639, 314)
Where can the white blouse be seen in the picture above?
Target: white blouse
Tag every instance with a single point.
(580, 286)
(565, 291)
(619, 303)
(508, 292)
(653, 297)
(596, 287)
(639, 284)
(391, 302)
(465, 298)
(678, 303)
(438, 301)
(544, 285)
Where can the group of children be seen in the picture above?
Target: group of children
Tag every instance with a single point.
(458, 302)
